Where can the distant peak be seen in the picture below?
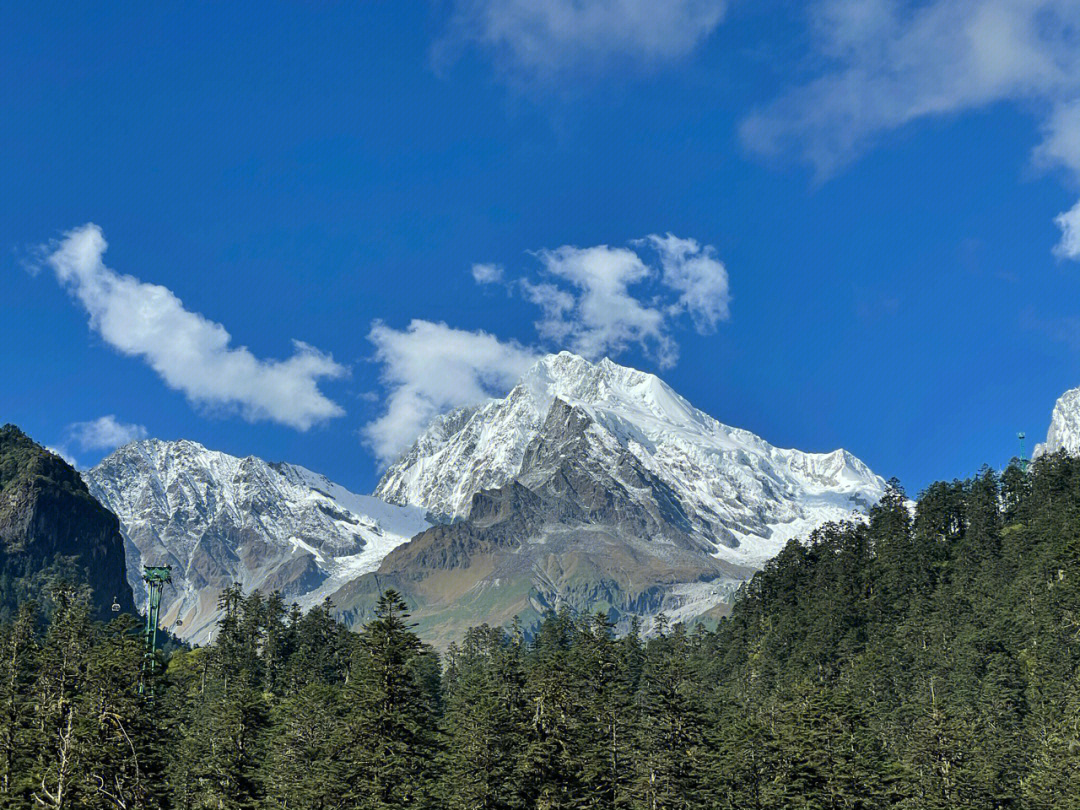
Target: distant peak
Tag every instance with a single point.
(153, 445)
(569, 366)
(1064, 432)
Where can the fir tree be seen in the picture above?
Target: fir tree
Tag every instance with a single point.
(392, 727)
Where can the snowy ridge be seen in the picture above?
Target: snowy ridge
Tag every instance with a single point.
(219, 519)
(744, 496)
(1064, 432)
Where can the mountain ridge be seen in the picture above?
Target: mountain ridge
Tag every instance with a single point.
(219, 519)
(589, 485)
(596, 486)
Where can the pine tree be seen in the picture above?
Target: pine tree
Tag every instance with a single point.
(58, 781)
(602, 669)
(306, 766)
(120, 754)
(671, 744)
(18, 662)
(224, 721)
(392, 727)
(484, 722)
(550, 759)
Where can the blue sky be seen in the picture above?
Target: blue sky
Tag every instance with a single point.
(873, 204)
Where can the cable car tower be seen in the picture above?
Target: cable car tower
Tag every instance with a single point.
(1023, 455)
(155, 577)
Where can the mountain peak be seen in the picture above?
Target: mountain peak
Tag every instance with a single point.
(747, 494)
(1064, 432)
(569, 369)
(219, 519)
(51, 525)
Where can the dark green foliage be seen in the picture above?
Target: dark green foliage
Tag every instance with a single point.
(484, 721)
(391, 725)
(918, 660)
(74, 732)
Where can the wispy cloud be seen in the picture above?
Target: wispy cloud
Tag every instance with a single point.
(188, 351)
(700, 278)
(430, 368)
(605, 318)
(487, 273)
(1069, 222)
(543, 39)
(64, 454)
(104, 433)
(1059, 329)
(892, 62)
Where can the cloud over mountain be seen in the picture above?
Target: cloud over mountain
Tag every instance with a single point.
(104, 433)
(596, 301)
(429, 368)
(604, 300)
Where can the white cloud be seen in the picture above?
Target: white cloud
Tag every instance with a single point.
(1061, 137)
(487, 273)
(893, 62)
(541, 38)
(556, 305)
(603, 300)
(430, 368)
(64, 454)
(1069, 222)
(699, 277)
(190, 353)
(104, 433)
(605, 318)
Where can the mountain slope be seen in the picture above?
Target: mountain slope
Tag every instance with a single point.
(598, 487)
(49, 524)
(219, 519)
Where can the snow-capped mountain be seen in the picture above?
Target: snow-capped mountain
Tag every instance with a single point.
(584, 525)
(1064, 433)
(589, 485)
(743, 497)
(598, 488)
(219, 519)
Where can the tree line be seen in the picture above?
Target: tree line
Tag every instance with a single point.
(925, 658)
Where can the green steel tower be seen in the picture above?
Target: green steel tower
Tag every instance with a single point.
(155, 577)
(1023, 456)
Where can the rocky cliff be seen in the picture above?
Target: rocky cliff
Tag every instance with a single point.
(50, 525)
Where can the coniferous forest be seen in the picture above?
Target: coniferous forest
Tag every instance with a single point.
(925, 659)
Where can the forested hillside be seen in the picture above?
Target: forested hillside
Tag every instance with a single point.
(925, 660)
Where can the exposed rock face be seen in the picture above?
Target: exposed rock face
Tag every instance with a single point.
(1064, 432)
(219, 519)
(608, 492)
(49, 525)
